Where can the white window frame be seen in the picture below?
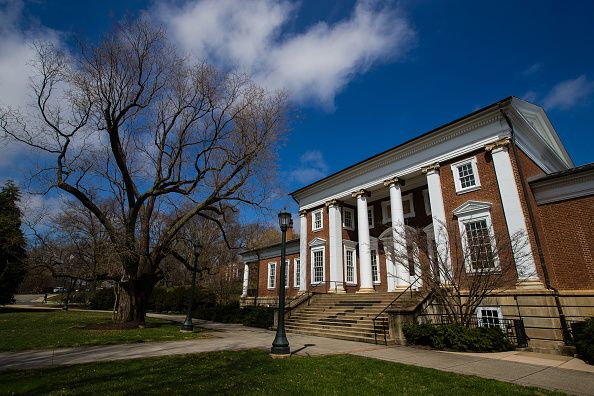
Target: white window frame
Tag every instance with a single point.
(273, 286)
(377, 261)
(427, 202)
(352, 212)
(297, 272)
(350, 248)
(484, 214)
(479, 314)
(457, 183)
(313, 220)
(409, 197)
(313, 250)
(287, 272)
(370, 208)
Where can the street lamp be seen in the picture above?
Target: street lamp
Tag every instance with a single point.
(280, 345)
(65, 307)
(188, 326)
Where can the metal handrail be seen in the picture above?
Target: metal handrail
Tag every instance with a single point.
(388, 306)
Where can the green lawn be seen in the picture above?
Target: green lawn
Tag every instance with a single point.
(54, 329)
(252, 372)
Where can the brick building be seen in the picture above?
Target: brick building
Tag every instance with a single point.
(498, 172)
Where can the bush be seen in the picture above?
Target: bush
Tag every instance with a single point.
(102, 299)
(584, 340)
(457, 337)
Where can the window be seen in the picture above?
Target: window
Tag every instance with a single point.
(348, 218)
(427, 202)
(407, 206)
(271, 275)
(370, 216)
(489, 317)
(386, 212)
(317, 262)
(287, 269)
(297, 272)
(479, 249)
(476, 232)
(466, 176)
(375, 267)
(317, 220)
(350, 265)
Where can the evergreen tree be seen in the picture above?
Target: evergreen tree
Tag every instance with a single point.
(12, 243)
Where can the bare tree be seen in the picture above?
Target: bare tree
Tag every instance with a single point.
(129, 120)
(463, 268)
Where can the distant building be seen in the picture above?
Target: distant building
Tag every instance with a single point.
(502, 168)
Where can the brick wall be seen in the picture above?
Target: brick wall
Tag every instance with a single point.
(263, 290)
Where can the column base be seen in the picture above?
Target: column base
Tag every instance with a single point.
(366, 290)
(338, 291)
(530, 284)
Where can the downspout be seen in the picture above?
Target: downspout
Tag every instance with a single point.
(567, 338)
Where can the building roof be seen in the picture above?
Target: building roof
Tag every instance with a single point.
(560, 174)
(292, 246)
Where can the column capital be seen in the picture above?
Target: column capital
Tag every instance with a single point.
(334, 203)
(302, 213)
(360, 193)
(499, 145)
(393, 181)
(430, 169)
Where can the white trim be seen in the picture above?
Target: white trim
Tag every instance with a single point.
(370, 209)
(296, 276)
(470, 212)
(426, 202)
(350, 247)
(564, 187)
(313, 219)
(313, 251)
(317, 242)
(352, 212)
(377, 263)
(479, 314)
(477, 181)
(408, 197)
(271, 287)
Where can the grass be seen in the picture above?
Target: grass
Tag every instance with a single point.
(252, 373)
(55, 329)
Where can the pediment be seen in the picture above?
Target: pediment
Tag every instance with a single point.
(472, 207)
(349, 243)
(317, 242)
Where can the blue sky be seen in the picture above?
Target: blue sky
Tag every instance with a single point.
(363, 75)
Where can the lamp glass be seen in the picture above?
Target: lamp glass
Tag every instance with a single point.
(284, 218)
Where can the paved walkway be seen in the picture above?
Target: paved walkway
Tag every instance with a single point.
(547, 371)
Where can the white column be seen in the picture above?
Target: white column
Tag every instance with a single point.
(443, 260)
(303, 250)
(365, 275)
(514, 215)
(400, 258)
(246, 278)
(335, 236)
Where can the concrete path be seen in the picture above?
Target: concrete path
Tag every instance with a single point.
(546, 371)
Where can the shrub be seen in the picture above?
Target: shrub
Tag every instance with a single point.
(457, 337)
(584, 340)
(102, 299)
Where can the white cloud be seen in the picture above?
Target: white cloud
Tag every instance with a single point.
(532, 69)
(530, 96)
(312, 166)
(312, 65)
(568, 93)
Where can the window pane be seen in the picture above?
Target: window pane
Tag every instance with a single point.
(317, 220)
(374, 268)
(348, 219)
(466, 175)
(350, 266)
(287, 267)
(272, 276)
(318, 266)
(298, 272)
(370, 217)
(406, 206)
(479, 245)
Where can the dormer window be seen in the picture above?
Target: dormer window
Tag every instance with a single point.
(466, 176)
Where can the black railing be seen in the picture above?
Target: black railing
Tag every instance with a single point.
(513, 329)
(385, 326)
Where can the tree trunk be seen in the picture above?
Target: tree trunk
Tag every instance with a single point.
(134, 295)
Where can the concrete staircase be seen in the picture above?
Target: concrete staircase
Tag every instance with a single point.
(348, 316)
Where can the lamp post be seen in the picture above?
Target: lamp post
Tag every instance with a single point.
(188, 326)
(66, 300)
(280, 345)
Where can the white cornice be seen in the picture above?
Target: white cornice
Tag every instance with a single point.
(317, 242)
(471, 207)
(564, 187)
